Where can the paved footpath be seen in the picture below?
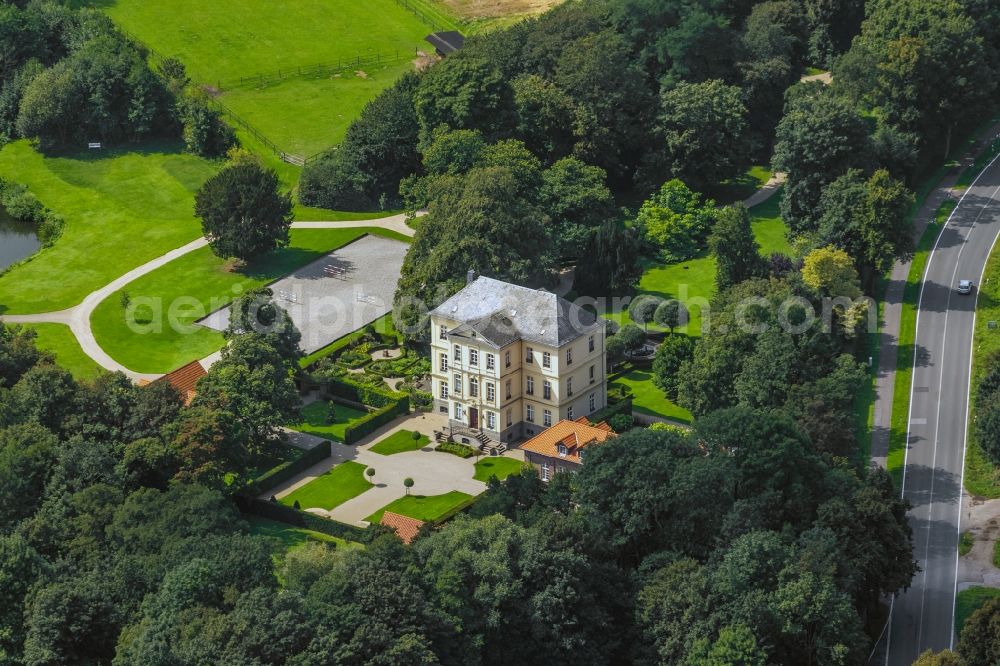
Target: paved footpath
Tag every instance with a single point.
(78, 317)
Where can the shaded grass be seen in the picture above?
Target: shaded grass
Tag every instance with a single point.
(428, 508)
(965, 543)
(968, 602)
(122, 209)
(205, 283)
(341, 483)
(742, 186)
(497, 466)
(906, 344)
(980, 473)
(60, 341)
(400, 442)
(316, 420)
(284, 538)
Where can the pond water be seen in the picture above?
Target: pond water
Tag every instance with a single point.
(17, 240)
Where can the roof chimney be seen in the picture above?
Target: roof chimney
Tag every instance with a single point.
(470, 277)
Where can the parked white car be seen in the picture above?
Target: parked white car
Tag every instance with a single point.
(965, 286)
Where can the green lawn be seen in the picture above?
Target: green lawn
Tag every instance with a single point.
(965, 543)
(283, 537)
(742, 186)
(122, 209)
(400, 442)
(206, 282)
(968, 601)
(497, 466)
(980, 473)
(343, 482)
(223, 40)
(58, 339)
(423, 507)
(316, 420)
(647, 398)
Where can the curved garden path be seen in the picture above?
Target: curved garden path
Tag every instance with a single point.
(78, 316)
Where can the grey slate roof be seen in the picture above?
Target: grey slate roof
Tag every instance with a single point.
(500, 313)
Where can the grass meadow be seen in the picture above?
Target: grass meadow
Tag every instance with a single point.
(341, 483)
(224, 40)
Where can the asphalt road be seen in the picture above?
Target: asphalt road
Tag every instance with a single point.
(922, 617)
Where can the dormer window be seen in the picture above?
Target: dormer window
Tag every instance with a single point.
(579, 454)
(562, 449)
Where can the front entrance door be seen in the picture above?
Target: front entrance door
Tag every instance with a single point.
(473, 417)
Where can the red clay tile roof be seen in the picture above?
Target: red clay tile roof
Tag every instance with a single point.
(574, 435)
(184, 379)
(406, 528)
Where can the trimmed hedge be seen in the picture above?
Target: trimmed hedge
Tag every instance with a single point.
(286, 514)
(620, 407)
(285, 471)
(365, 394)
(374, 420)
(456, 449)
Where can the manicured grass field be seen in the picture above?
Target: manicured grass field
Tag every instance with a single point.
(741, 187)
(206, 283)
(647, 398)
(980, 473)
(58, 339)
(400, 442)
(223, 40)
(343, 482)
(968, 601)
(284, 537)
(427, 508)
(316, 420)
(122, 209)
(497, 466)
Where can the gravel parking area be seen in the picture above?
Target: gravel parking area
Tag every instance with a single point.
(336, 294)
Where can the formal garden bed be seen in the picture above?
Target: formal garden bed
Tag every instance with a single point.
(456, 449)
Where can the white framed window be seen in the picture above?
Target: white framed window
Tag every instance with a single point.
(459, 412)
(569, 387)
(591, 374)
(474, 387)
(529, 357)
(444, 362)
(506, 358)
(491, 362)
(590, 343)
(530, 388)
(569, 412)
(458, 353)
(546, 418)
(547, 389)
(444, 390)
(507, 389)
(443, 332)
(579, 454)
(510, 417)
(569, 357)
(546, 472)
(491, 392)
(491, 420)
(562, 449)
(546, 360)
(593, 401)
(473, 357)
(456, 385)
(529, 413)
